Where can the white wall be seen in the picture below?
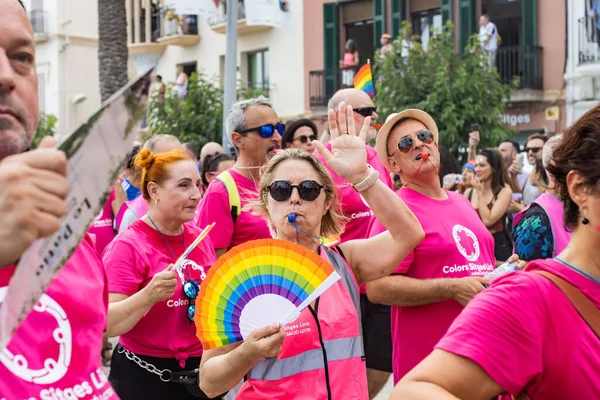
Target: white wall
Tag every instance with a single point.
(286, 62)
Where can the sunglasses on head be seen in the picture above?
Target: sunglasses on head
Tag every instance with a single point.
(365, 111)
(191, 290)
(266, 131)
(407, 143)
(532, 149)
(307, 190)
(304, 138)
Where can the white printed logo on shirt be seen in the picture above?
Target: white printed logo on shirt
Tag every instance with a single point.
(466, 242)
(53, 370)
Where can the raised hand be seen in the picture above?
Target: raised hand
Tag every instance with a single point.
(348, 155)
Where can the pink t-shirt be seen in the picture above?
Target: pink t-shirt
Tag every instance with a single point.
(214, 207)
(103, 226)
(131, 260)
(456, 245)
(55, 353)
(526, 334)
(354, 207)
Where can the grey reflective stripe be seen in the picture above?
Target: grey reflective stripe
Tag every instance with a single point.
(347, 276)
(274, 369)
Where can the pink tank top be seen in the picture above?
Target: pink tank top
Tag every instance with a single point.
(348, 59)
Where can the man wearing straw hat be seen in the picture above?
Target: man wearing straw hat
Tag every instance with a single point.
(445, 271)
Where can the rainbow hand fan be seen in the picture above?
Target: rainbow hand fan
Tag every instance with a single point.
(257, 284)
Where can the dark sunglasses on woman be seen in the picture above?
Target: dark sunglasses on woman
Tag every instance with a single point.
(407, 143)
(304, 139)
(307, 190)
(266, 131)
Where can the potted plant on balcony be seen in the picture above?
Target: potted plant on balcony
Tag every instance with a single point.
(172, 23)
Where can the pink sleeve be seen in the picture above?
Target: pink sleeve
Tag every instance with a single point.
(215, 208)
(375, 229)
(502, 330)
(123, 268)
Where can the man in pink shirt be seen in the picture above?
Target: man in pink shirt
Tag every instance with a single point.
(444, 272)
(255, 131)
(55, 352)
(375, 318)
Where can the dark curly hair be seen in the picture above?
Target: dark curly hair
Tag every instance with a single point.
(292, 126)
(579, 151)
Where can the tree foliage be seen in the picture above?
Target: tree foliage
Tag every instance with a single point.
(46, 127)
(457, 90)
(198, 118)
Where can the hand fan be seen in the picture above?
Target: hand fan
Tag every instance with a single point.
(256, 284)
(330, 241)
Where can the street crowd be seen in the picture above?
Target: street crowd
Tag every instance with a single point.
(414, 246)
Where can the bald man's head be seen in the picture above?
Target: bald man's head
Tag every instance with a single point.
(353, 97)
(210, 148)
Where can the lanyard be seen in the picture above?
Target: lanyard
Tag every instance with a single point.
(169, 246)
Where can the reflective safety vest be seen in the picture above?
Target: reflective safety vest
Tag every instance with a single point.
(555, 211)
(322, 355)
(235, 204)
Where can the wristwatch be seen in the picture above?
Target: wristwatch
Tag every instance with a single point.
(368, 181)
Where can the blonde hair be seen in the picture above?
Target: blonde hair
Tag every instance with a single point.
(332, 223)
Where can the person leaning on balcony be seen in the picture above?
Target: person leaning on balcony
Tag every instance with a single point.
(488, 38)
(181, 84)
(349, 63)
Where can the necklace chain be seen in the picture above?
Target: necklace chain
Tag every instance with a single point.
(165, 239)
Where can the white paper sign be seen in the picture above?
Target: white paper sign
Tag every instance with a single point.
(96, 152)
(205, 8)
(268, 12)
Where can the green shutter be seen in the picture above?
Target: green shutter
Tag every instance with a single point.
(379, 21)
(398, 15)
(466, 22)
(446, 10)
(531, 76)
(331, 47)
(529, 14)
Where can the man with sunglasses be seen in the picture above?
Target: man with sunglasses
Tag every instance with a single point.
(375, 317)
(255, 131)
(445, 271)
(533, 148)
(56, 348)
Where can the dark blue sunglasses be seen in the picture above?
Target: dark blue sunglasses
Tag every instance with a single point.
(266, 131)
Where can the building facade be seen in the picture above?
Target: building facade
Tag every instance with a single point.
(533, 48)
(274, 59)
(583, 59)
(66, 35)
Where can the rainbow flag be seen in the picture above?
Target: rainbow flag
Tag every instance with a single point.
(363, 80)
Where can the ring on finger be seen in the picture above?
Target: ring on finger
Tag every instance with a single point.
(343, 132)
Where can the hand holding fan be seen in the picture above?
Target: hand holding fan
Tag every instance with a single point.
(257, 284)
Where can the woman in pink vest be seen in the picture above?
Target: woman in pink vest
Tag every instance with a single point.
(534, 334)
(324, 359)
(539, 230)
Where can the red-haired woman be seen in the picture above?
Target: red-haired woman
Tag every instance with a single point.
(151, 303)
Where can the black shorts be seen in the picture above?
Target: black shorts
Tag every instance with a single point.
(377, 335)
(132, 382)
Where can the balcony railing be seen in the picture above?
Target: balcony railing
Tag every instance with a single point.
(165, 29)
(525, 62)
(589, 47)
(219, 23)
(324, 83)
(37, 19)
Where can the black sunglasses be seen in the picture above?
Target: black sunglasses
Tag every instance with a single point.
(266, 131)
(191, 290)
(365, 111)
(307, 190)
(407, 143)
(304, 138)
(533, 149)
